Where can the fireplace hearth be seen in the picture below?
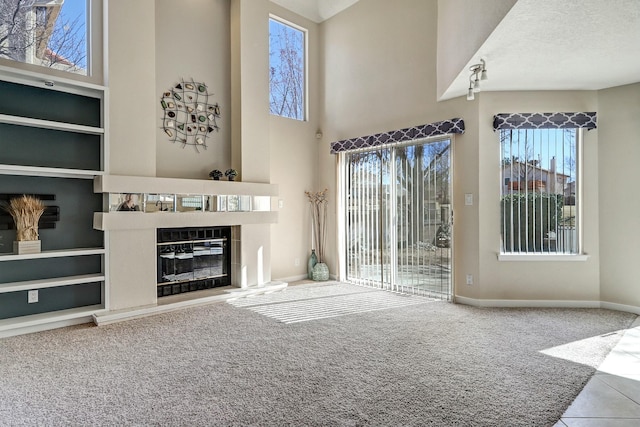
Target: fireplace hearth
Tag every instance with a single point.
(193, 259)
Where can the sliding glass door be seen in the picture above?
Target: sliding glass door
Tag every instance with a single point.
(398, 218)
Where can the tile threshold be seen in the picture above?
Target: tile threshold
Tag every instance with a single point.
(611, 398)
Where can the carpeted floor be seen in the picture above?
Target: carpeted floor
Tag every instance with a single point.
(429, 363)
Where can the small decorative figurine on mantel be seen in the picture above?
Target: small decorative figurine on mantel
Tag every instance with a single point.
(215, 174)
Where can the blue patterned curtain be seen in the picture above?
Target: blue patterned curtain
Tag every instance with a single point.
(417, 132)
(545, 121)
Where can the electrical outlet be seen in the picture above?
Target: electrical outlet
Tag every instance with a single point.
(469, 279)
(32, 296)
(297, 262)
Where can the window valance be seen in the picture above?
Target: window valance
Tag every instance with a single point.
(395, 136)
(544, 120)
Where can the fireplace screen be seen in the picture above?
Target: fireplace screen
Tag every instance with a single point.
(191, 259)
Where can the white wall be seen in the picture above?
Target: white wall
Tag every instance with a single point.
(192, 41)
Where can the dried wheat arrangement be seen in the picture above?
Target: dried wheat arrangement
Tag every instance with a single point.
(26, 212)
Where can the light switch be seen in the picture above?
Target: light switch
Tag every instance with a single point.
(468, 199)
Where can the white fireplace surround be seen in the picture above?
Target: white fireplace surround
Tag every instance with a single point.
(131, 291)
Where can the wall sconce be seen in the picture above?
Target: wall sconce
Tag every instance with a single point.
(478, 72)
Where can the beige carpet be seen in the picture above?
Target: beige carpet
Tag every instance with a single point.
(429, 363)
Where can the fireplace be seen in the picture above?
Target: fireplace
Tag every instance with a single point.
(193, 259)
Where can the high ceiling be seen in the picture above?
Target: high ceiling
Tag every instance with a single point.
(316, 10)
(542, 44)
(560, 45)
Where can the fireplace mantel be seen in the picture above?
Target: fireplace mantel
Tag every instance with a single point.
(148, 185)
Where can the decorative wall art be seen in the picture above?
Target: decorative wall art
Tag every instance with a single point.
(188, 115)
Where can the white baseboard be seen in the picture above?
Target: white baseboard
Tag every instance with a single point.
(620, 307)
(545, 304)
(293, 278)
(21, 330)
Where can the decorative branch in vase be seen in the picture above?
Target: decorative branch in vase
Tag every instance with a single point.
(318, 201)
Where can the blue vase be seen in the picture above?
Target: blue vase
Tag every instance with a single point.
(313, 260)
(320, 272)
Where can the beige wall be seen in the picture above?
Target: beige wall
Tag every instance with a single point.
(366, 78)
(619, 175)
(379, 74)
(375, 80)
(534, 280)
(145, 56)
(463, 26)
(192, 41)
(371, 82)
(130, 76)
(294, 166)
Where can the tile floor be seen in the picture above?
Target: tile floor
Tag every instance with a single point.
(612, 397)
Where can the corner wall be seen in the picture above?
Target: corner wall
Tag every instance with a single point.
(294, 166)
(463, 26)
(619, 175)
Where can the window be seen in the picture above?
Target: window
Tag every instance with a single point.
(539, 194)
(287, 69)
(48, 33)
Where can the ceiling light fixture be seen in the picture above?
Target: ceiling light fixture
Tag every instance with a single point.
(478, 73)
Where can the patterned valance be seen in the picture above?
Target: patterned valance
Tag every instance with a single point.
(544, 121)
(395, 136)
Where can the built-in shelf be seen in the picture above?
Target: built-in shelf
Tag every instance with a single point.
(50, 282)
(47, 124)
(56, 128)
(60, 253)
(48, 172)
(38, 322)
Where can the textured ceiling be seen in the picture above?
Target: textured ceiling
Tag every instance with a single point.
(560, 45)
(542, 44)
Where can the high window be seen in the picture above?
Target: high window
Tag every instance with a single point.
(48, 33)
(539, 195)
(287, 69)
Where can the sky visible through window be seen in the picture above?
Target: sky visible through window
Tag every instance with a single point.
(45, 33)
(74, 14)
(286, 70)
